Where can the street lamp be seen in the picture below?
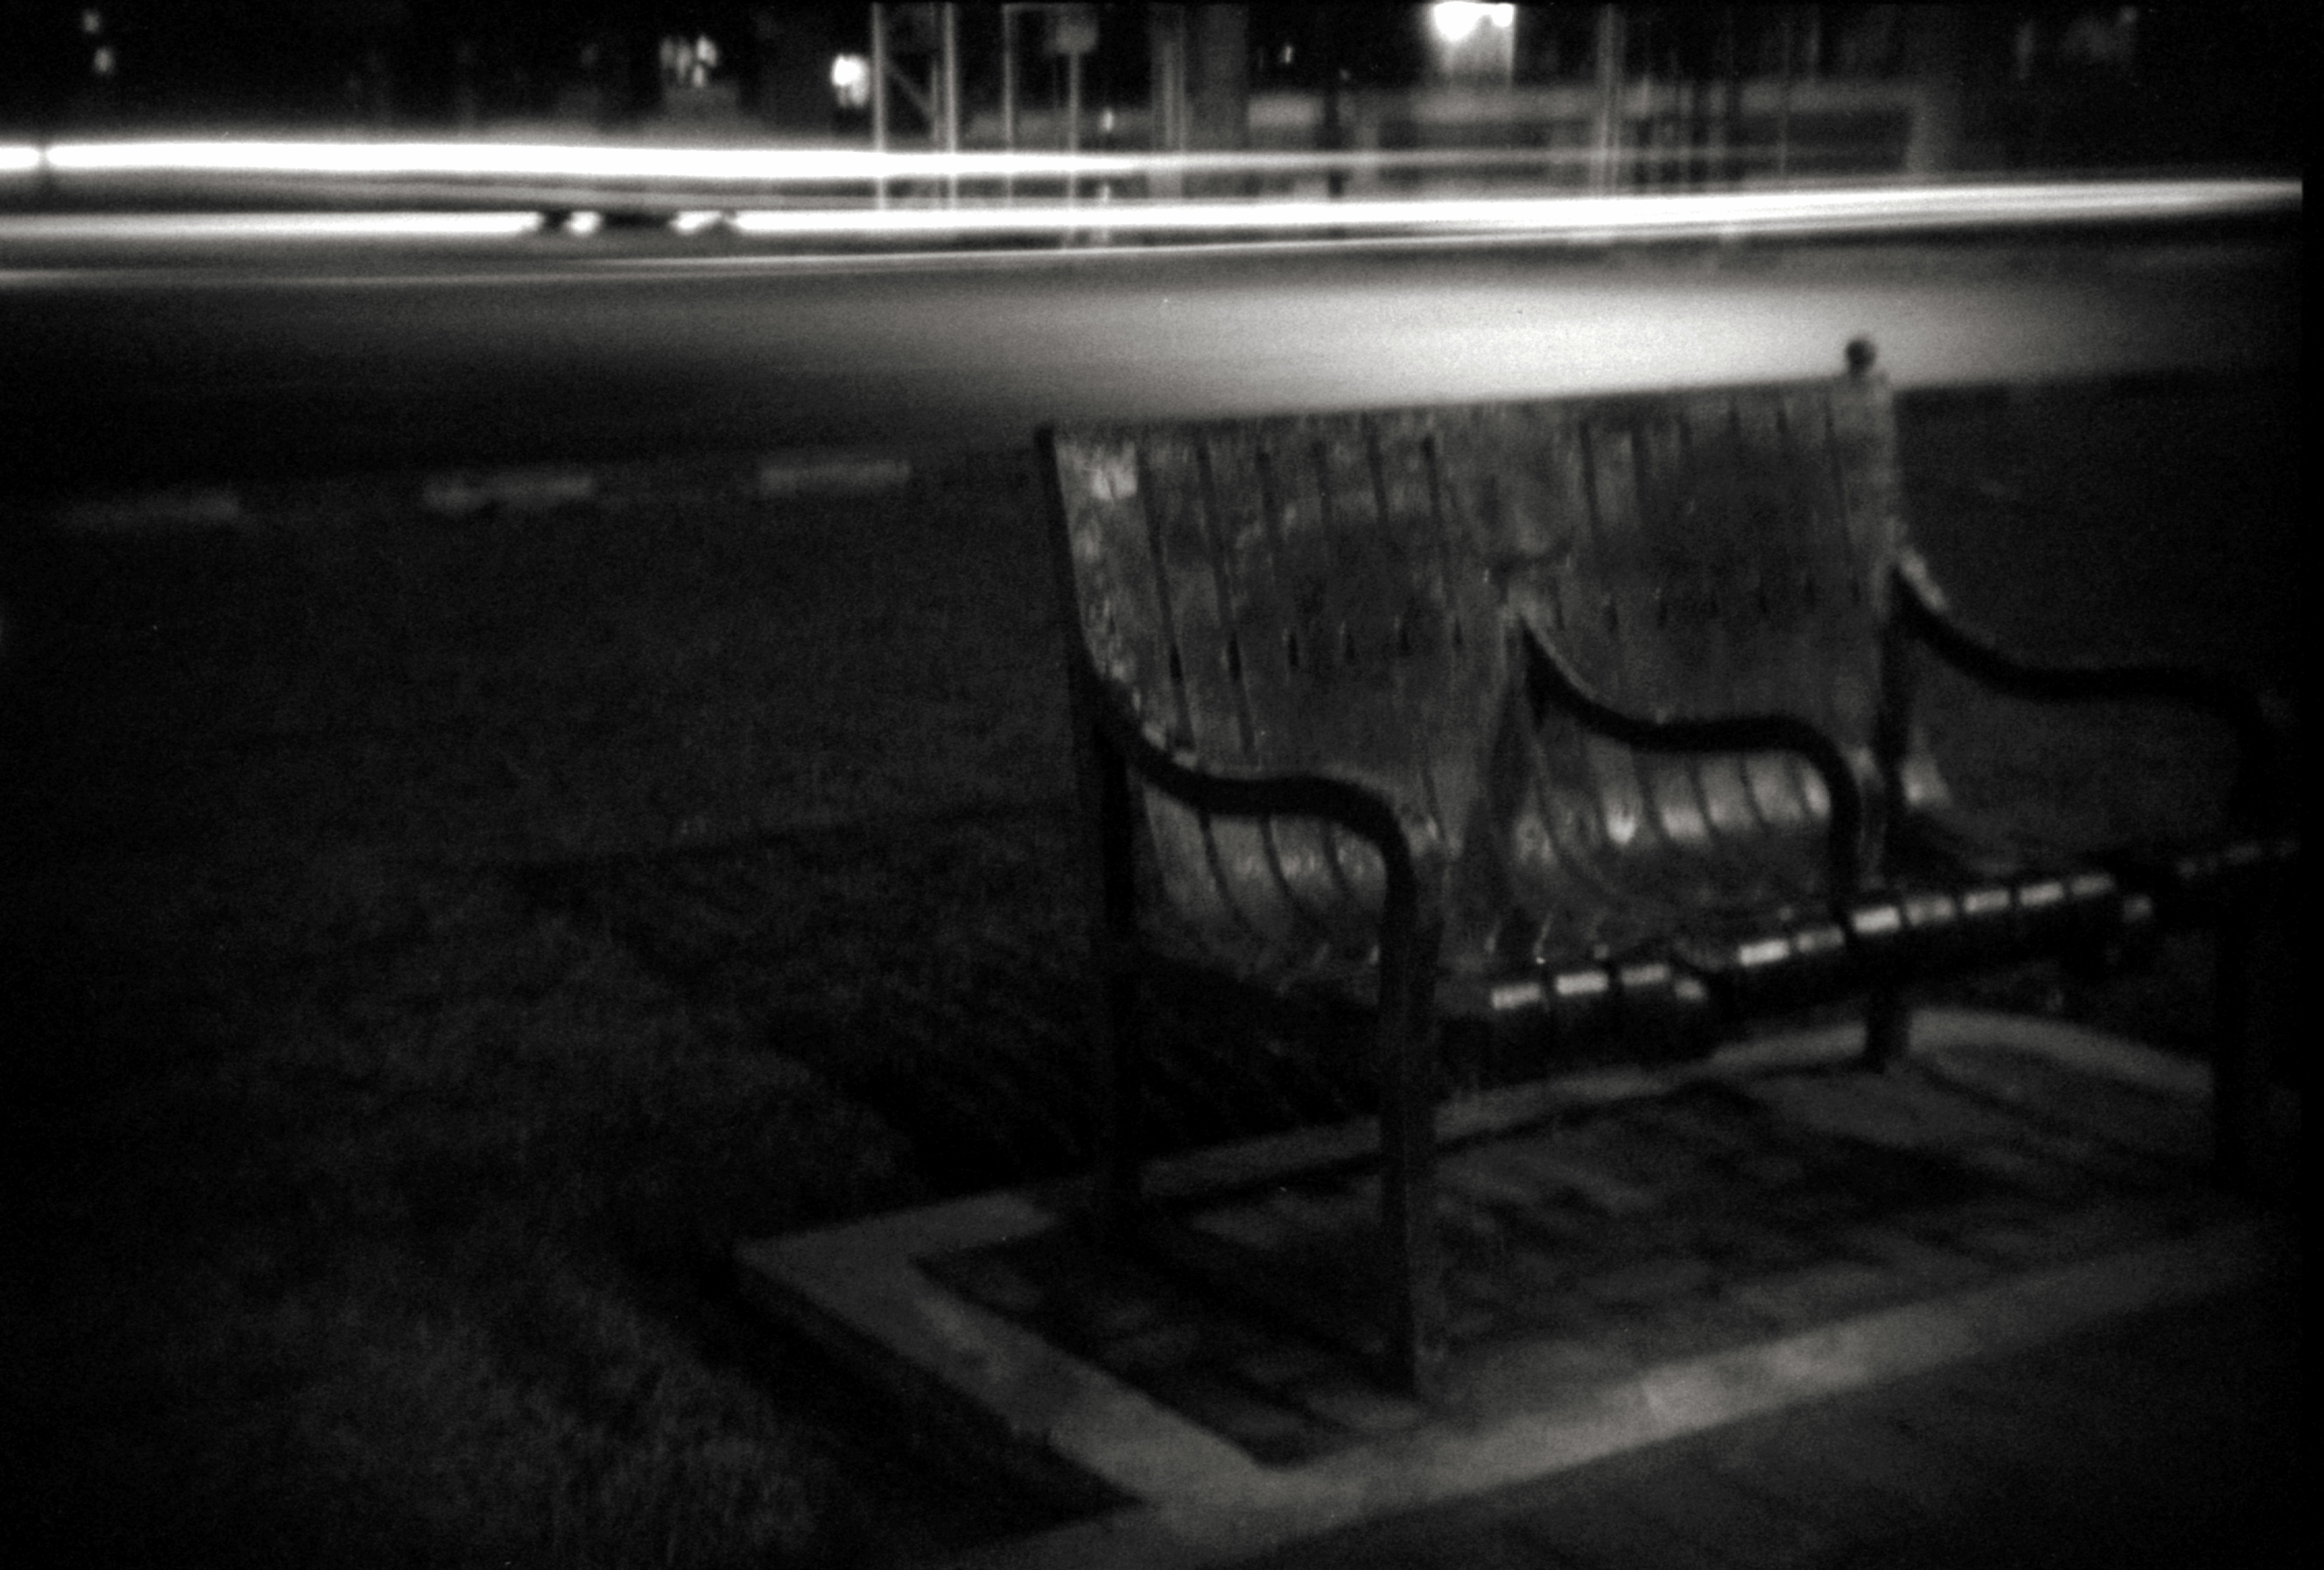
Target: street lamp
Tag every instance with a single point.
(1473, 41)
(1457, 21)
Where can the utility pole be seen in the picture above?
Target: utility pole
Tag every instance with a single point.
(1605, 164)
(948, 73)
(1784, 105)
(1072, 34)
(1073, 124)
(918, 29)
(880, 100)
(1009, 96)
(1218, 89)
(1166, 37)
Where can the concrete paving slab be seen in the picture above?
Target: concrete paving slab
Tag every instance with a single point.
(1230, 1437)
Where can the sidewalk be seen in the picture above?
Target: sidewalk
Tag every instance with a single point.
(1771, 1311)
(2173, 1439)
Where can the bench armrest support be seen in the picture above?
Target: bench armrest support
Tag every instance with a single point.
(1115, 749)
(1340, 802)
(1923, 612)
(1549, 680)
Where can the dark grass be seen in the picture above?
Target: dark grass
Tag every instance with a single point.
(431, 947)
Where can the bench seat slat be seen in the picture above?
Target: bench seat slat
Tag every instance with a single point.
(1296, 871)
(1191, 557)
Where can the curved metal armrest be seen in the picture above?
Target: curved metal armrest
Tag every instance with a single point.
(1340, 802)
(1922, 611)
(1550, 680)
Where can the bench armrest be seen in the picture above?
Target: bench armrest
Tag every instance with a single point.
(1550, 680)
(1341, 803)
(1922, 609)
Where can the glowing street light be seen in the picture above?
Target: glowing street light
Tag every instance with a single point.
(1457, 21)
(1474, 42)
(851, 80)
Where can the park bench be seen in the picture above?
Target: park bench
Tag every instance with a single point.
(1580, 722)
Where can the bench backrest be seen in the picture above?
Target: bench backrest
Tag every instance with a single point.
(1336, 594)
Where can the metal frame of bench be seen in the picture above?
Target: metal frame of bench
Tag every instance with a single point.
(1139, 515)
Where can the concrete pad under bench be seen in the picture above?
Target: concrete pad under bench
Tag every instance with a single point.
(2076, 1195)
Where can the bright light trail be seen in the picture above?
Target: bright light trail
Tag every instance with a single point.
(699, 187)
(1576, 220)
(170, 227)
(1456, 21)
(683, 167)
(563, 161)
(1581, 219)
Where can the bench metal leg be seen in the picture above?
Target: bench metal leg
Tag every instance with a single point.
(1406, 1066)
(1887, 1026)
(2248, 1002)
(1122, 1090)
(1116, 1040)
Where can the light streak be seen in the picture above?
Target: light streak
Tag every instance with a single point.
(682, 167)
(174, 227)
(805, 192)
(1708, 214)
(1456, 21)
(513, 160)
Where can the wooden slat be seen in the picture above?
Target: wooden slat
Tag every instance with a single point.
(1771, 485)
(1126, 628)
(1579, 801)
(1777, 487)
(1848, 567)
(1740, 480)
(1604, 627)
(1448, 683)
(1319, 640)
(1259, 612)
(1699, 620)
(1655, 652)
(1188, 554)
(1122, 622)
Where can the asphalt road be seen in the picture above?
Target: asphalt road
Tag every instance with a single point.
(133, 369)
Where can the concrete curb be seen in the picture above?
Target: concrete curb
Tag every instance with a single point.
(478, 494)
(790, 474)
(150, 511)
(831, 474)
(529, 490)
